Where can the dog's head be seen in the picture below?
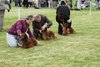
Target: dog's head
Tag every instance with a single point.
(51, 35)
(44, 34)
(24, 37)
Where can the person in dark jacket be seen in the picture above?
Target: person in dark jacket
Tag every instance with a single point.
(63, 15)
(25, 3)
(16, 30)
(40, 23)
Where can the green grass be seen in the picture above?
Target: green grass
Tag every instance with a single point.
(77, 50)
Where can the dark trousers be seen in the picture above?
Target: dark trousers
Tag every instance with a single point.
(47, 4)
(37, 35)
(26, 3)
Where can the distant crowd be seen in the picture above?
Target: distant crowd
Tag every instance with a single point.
(35, 3)
(78, 4)
(20, 35)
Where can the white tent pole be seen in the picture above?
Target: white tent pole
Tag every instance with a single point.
(18, 13)
(90, 8)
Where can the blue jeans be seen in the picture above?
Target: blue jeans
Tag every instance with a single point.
(16, 2)
(13, 40)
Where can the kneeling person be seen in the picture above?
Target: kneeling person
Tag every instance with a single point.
(40, 24)
(17, 30)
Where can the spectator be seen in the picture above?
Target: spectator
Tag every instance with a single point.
(4, 4)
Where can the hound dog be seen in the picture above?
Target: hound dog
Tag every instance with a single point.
(27, 42)
(66, 30)
(48, 35)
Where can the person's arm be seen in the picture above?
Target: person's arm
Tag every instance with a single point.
(57, 10)
(68, 11)
(30, 34)
(58, 20)
(48, 22)
(18, 28)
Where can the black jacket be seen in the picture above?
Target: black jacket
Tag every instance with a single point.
(63, 10)
(62, 15)
(37, 25)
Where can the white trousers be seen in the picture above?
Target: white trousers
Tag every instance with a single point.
(12, 40)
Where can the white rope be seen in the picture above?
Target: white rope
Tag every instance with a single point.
(90, 8)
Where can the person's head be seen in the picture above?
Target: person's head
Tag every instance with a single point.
(29, 19)
(37, 17)
(62, 3)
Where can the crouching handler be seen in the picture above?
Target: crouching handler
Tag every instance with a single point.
(16, 31)
(63, 17)
(40, 25)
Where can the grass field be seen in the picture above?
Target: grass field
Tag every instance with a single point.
(77, 50)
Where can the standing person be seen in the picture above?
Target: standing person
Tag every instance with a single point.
(10, 1)
(47, 4)
(37, 4)
(40, 23)
(63, 15)
(30, 2)
(55, 2)
(4, 4)
(98, 4)
(25, 3)
(20, 3)
(16, 30)
(71, 4)
(68, 2)
(16, 2)
(78, 5)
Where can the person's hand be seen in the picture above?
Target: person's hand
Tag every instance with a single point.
(44, 26)
(61, 24)
(40, 31)
(21, 36)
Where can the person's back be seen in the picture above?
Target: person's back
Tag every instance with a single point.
(63, 9)
(63, 15)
